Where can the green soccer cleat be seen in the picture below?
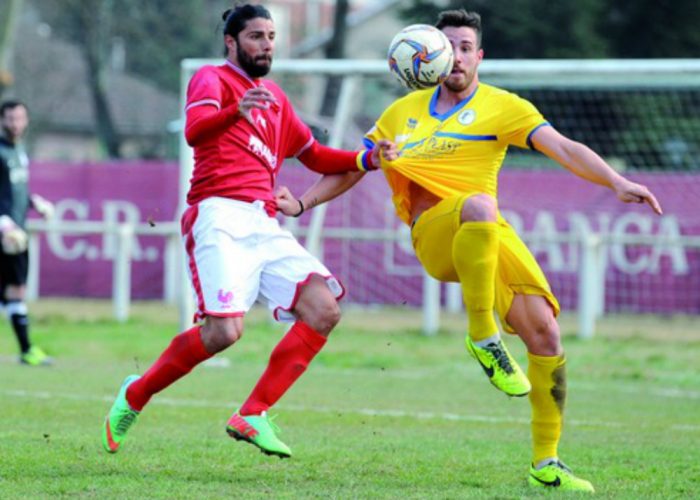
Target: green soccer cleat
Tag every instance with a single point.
(35, 357)
(557, 475)
(119, 419)
(259, 430)
(503, 371)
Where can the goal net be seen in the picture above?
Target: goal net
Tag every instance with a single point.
(600, 255)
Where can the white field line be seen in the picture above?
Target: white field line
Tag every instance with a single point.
(418, 374)
(419, 415)
(223, 363)
(620, 387)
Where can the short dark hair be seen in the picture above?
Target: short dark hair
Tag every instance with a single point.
(10, 104)
(458, 18)
(235, 19)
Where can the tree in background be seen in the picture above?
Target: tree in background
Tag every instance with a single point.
(89, 23)
(154, 35)
(527, 28)
(583, 29)
(653, 28)
(335, 50)
(158, 34)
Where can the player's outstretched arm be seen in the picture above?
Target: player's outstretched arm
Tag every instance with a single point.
(331, 186)
(587, 164)
(326, 160)
(325, 189)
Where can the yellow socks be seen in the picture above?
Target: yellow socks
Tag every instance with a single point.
(475, 256)
(547, 375)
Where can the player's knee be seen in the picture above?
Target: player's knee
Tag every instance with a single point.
(231, 335)
(324, 317)
(14, 292)
(546, 333)
(478, 208)
(220, 333)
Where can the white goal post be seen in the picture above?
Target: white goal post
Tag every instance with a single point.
(525, 74)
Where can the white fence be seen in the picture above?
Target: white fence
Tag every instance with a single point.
(121, 265)
(591, 273)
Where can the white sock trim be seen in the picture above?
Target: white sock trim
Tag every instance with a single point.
(15, 307)
(545, 462)
(493, 339)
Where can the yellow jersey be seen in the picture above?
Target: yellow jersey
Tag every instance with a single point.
(456, 152)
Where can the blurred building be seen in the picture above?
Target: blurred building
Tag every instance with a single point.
(51, 77)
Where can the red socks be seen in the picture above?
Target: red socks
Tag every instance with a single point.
(288, 361)
(184, 353)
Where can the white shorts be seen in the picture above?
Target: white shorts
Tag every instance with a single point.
(236, 251)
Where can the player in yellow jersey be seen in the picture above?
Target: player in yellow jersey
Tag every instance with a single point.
(442, 150)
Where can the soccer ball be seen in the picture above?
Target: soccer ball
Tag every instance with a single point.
(420, 56)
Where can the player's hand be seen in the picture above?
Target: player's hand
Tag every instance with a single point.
(6, 223)
(258, 97)
(386, 149)
(631, 192)
(43, 206)
(14, 241)
(12, 237)
(286, 202)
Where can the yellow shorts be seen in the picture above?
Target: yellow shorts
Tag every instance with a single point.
(518, 271)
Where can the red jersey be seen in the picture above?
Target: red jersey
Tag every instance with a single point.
(241, 161)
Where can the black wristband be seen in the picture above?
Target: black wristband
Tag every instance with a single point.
(301, 209)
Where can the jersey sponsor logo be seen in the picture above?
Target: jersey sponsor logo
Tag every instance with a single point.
(259, 148)
(429, 148)
(467, 117)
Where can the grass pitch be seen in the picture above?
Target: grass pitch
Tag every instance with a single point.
(383, 412)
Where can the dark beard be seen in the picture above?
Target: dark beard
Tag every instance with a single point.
(255, 68)
(456, 87)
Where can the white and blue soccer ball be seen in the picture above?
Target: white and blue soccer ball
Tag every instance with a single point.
(420, 56)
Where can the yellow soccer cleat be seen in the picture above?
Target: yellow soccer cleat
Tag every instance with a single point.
(557, 475)
(503, 371)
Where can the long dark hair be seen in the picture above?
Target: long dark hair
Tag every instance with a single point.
(235, 19)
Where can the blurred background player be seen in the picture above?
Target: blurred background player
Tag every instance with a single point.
(241, 128)
(15, 202)
(451, 142)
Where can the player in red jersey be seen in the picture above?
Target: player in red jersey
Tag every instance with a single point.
(241, 128)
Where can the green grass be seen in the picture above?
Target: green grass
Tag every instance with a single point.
(383, 412)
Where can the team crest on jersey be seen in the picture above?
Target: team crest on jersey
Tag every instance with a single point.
(411, 123)
(467, 117)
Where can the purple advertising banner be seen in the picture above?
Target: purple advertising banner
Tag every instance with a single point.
(661, 278)
(134, 192)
